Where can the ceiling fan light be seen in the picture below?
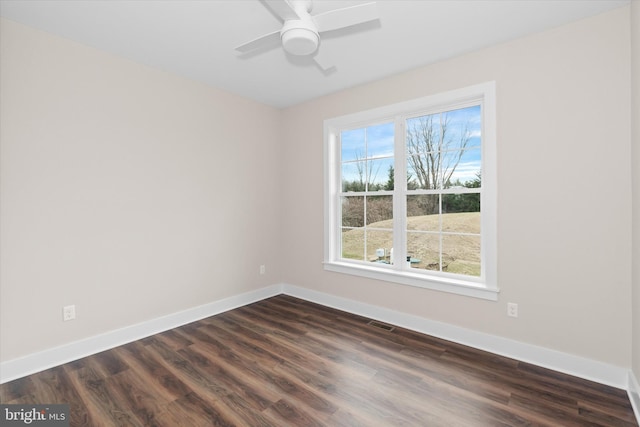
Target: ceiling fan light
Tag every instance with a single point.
(300, 41)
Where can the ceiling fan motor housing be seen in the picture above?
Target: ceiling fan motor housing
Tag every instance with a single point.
(300, 37)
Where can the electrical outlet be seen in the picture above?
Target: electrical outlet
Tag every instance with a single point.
(69, 312)
(263, 269)
(512, 309)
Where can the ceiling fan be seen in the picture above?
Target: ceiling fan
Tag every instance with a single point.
(300, 34)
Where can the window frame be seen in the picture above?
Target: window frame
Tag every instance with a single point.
(485, 286)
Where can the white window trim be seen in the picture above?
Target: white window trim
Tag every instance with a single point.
(486, 288)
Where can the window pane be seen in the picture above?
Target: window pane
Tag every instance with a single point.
(422, 212)
(461, 213)
(423, 134)
(352, 144)
(380, 211)
(423, 250)
(464, 126)
(379, 242)
(389, 181)
(461, 168)
(353, 243)
(352, 211)
(367, 143)
(423, 171)
(456, 134)
(378, 173)
(461, 254)
(380, 140)
(354, 176)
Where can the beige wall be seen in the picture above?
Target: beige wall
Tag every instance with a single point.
(635, 159)
(564, 209)
(133, 193)
(126, 191)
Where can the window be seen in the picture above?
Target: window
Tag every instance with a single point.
(410, 193)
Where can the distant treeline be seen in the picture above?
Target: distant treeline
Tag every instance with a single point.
(380, 207)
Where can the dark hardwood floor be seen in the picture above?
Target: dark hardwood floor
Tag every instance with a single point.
(289, 362)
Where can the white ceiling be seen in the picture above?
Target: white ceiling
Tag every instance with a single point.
(196, 39)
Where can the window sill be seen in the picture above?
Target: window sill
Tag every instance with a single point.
(443, 284)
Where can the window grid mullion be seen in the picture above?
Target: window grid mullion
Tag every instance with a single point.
(440, 237)
(335, 157)
(439, 184)
(365, 226)
(365, 164)
(400, 194)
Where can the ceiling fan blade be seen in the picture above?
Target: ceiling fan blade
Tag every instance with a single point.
(323, 61)
(282, 8)
(346, 17)
(263, 42)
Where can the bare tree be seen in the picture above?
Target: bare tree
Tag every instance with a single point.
(435, 150)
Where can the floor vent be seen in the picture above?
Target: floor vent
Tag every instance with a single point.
(382, 326)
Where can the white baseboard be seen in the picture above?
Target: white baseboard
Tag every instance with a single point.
(581, 367)
(49, 358)
(633, 391)
(574, 365)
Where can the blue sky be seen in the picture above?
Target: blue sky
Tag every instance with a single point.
(375, 145)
